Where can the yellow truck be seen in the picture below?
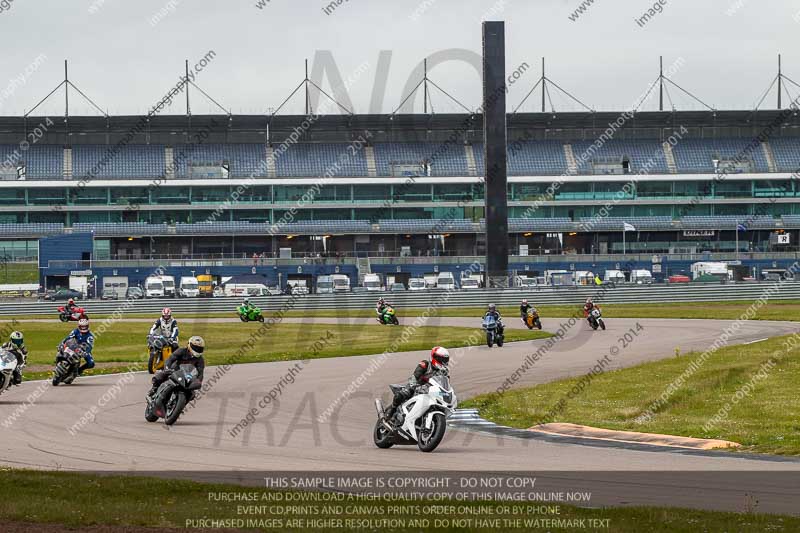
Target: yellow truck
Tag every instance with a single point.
(205, 283)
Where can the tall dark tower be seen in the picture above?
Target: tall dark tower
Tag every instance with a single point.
(494, 137)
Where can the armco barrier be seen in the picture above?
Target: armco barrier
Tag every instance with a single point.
(643, 294)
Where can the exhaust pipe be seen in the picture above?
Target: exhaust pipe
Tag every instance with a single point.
(379, 406)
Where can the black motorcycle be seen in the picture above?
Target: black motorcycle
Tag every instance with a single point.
(68, 361)
(171, 397)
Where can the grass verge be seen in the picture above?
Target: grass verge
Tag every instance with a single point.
(747, 393)
(773, 310)
(125, 342)
(133, 501)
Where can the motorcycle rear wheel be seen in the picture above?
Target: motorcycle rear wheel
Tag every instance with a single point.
(395, 321)
(381, 436)
(174, 408)
(434, 436)
(63, 318)
(243, 318)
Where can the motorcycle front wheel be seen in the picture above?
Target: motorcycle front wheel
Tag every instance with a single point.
(602, 324)
(429, 440)
(149, 415)
(174, 407)
(152, 362)
(381, 436)
(538, 323)
(489, 339)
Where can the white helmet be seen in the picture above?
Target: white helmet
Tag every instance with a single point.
(196, 346)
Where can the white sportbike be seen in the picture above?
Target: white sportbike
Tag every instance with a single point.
(8, 363)
(421, 420)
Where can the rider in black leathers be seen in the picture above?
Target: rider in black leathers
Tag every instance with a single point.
(192, 354)
(440, 359)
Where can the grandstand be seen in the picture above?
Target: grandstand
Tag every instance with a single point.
(252, 187)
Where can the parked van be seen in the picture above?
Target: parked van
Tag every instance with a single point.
(325, 285)
(189, 287)
(372, 282)
(416, 284)
(169, 286)
(641, 277)
(614, 276)
(153, 287)
(446, 281)
(341, 283)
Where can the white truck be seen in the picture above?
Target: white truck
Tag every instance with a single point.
(243, 290)
(641, 277)
(711, 268)
(416, 284)
(189, 287)
(614, 276)
(169, 286)
(470, 283)
(153, 287)
(373, 283)
(446, 281)
(325, 285)
(341, 283)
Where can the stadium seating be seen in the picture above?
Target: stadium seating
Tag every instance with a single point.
(118, 162)
(787, 153)
(243, 160)
(120, 228)
(697, 155)
(728, 222)
(36, 229)
(654, 223)
(647, 156)
(444, 159)
(317, 159)
(40, 160)
(530, 158)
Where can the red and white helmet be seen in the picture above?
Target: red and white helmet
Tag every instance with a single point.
(440, 357)
(166, 313)
(71, 301)
(83, 325)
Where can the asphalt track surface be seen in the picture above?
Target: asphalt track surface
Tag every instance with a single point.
(289, 435)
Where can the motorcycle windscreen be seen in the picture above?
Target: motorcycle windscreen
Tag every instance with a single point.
(7, 360)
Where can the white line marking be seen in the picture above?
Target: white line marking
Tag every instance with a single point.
(759, 340)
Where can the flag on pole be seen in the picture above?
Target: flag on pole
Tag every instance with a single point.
(741, 227)
(628, 227)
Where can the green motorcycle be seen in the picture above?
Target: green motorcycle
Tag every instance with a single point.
(388, 317)
(252, 314)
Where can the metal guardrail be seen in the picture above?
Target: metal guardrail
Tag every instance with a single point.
(642, 294)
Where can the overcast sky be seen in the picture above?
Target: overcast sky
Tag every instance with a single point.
(126, 54)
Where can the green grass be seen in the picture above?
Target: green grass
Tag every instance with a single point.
(125, 342)
(773, 310)
(81, 500)
(765, 421)
(18, 273)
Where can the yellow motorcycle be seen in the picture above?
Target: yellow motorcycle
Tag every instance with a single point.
(160, 351)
